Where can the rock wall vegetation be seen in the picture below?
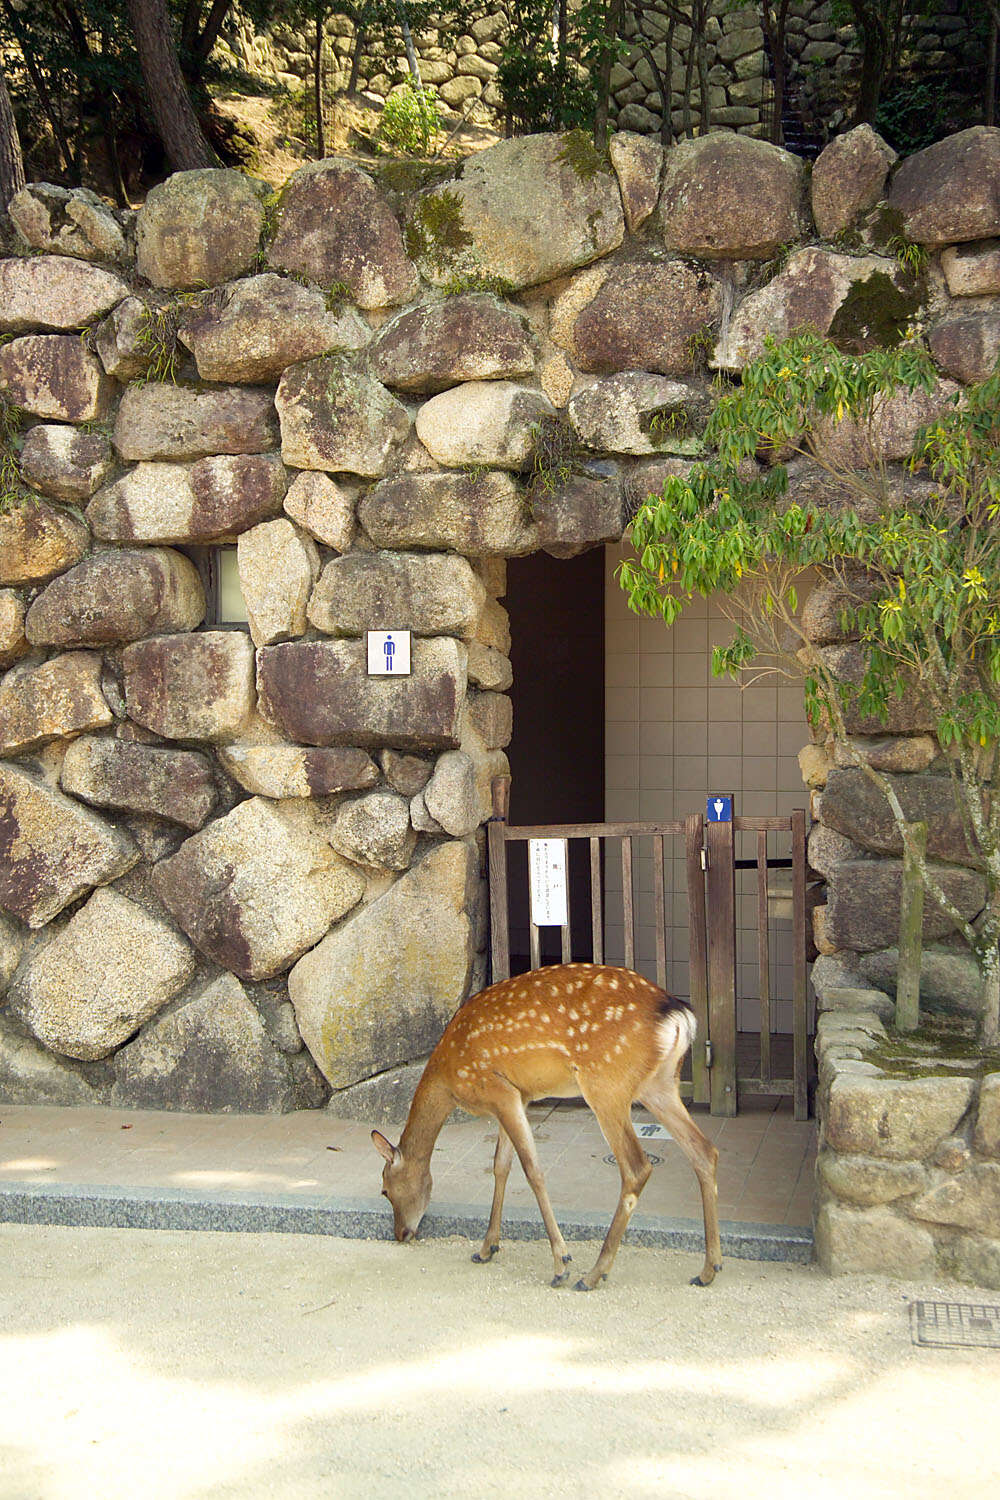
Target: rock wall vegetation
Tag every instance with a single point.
(235, 871)
(461, 66)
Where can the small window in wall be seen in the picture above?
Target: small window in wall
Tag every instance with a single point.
(224, 605)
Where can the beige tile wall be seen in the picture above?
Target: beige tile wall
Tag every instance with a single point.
(674, 733)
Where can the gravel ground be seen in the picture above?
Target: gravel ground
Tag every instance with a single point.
(141, 1365)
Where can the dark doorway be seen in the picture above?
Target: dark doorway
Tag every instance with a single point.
(556, 609)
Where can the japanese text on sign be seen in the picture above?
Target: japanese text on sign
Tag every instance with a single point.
(547, 871)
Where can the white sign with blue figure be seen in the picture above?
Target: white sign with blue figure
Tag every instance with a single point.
(720, 809)
(388, 653)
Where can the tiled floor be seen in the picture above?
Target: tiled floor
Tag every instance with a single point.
(766, 1160)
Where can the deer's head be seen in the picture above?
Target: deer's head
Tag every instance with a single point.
(407, 1187)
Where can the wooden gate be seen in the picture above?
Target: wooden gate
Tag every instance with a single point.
(719, 1068)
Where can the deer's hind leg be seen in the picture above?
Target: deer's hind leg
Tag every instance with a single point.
(615, 1121)
(661, 1096)
(502, 1159)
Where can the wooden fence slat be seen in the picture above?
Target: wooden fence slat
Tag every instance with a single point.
(763, 957)
(694, 832)
(596, 901)
(800, 993)
(628, 903)
(534, 946)
(566, 931)
(659, 897)
(722, 965)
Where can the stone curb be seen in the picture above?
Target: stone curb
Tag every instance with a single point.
(358, 1218)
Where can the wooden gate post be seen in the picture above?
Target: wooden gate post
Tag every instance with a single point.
(721, 901)
(497, 856)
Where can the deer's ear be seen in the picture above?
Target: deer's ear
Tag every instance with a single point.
(383, 1147)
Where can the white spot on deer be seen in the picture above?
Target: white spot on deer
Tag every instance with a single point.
(570, 1031)
(544, 1018)
(584, 1026)
(612, 984)
(609, 1014)
(574, 1015)
(607, 1056)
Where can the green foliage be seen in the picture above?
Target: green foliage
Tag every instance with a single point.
(337, 293)
(920, 578)
(478, 281)
(661, 424)
(544, 89)
(436, 231)
(411, 118)
(12, 489)
(556, 456)
(158, 341)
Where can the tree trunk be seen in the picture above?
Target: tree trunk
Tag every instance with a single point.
(41, 89)
(11, 160)
(176, 122)
(990, 100)
(989, 1031)
(318, 85)
(874, 59)
(616, 10)
(705, 123)
(411, 51)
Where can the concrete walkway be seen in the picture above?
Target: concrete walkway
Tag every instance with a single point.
(312, 1173)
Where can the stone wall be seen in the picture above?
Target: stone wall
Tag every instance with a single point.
(909, 1164)
(235, 871)
(461, 67)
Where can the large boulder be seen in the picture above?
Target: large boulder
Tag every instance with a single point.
(951, 191)
(52, 850)
(486, 222)
(336, 226)
(13, 642)
(647, 315)
(987, 1137)
(864, 1241)
(909, 713)
(638, 412)
(211, 500)
(852, 445)
(319, 693)
(380, 989)
(896, 1118)
(199, 228)
(296, 771)
(638, 162)
(66, 221)
(968, 346)
(51, 700)
(191, 687)
(51, 292)
(52, 375)
(278, 565)
(118, 596)
(209, 1051)
(485, 422)
(970, 1200)
(336, 418)
(972, 270)
(30, 1074)
(84, 1008)
(175, 422)
(263, 325)
(374, 830)
(439, 344)
(322, 507)
(258, 887)
(858, 810)
(479, 514)
(428, 593)
(864, 897)
(451, 796)
(580, 512)
(820, 291)
(65, 463)
(848, 178)
(730, 197)
(37, 541)
(137, 778)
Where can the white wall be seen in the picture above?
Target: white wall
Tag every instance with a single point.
(675, 733)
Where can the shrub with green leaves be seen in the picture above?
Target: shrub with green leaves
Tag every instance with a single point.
(411, 118)
(917, 570)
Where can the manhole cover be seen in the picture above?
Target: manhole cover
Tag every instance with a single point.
(955, 1325)
(611, 1161)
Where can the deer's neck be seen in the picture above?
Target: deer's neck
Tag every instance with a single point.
(432, 1104)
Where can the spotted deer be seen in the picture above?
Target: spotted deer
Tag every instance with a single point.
(565, 1031)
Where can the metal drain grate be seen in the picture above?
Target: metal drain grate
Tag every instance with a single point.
(955, 1325)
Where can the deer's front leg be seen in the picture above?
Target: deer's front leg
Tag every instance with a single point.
(510, 1113)
(502, 1159)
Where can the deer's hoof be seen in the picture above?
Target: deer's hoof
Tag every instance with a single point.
(560, 1280)
(482, 1260)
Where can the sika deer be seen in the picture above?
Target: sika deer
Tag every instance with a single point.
(565, 1031)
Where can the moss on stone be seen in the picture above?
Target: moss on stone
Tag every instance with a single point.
(875, 314)
(435, 231)
(579, 152)
(932, 1051)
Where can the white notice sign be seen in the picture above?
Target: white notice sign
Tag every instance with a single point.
(547, 870)
(388, 653)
